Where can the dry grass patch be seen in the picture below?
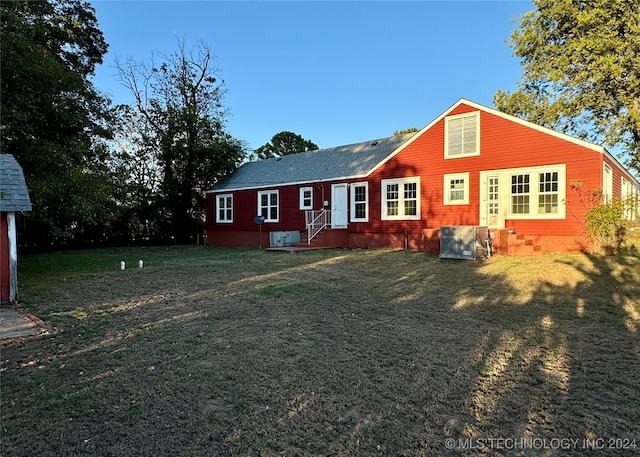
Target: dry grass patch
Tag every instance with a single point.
(223, 352)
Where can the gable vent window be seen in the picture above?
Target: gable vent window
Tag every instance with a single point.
(462, 135)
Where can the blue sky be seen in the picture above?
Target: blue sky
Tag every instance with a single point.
(333, 72)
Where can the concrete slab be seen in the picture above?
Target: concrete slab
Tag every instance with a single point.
(297, 248)
(15, 325)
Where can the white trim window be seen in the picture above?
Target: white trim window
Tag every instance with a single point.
(537, 192)
(631, 199)
(627, 188)
(607, 183)
(269, 205)
(456, 189)
(306, 198)
(400, 199)
(360, 202)
(521, 193)
(224, 208)
(462, 135)
(548, 192)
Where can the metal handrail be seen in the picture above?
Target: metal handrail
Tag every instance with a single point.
(316, 221)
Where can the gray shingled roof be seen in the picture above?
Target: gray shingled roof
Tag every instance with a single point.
(350, 161)
(14, 195)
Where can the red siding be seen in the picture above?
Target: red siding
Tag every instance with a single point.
(4, 259)
(504, 144)
(245, 209)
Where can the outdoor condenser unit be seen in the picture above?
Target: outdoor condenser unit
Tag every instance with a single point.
(465, 242)
(282, 238)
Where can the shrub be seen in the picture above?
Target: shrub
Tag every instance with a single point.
(608, 223)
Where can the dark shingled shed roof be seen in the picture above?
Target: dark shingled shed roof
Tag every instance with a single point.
(14, 195)
(350, 161)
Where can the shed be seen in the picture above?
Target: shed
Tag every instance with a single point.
(14, 197)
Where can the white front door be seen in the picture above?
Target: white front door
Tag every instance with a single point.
(339, 206)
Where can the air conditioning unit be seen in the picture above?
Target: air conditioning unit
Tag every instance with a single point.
(284, 238)
(465, 242)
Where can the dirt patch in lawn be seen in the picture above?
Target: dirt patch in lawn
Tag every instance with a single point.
(346, 353)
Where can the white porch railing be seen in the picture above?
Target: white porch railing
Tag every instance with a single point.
(316, 220)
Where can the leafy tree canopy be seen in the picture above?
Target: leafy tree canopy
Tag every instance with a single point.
(284, 143)
(179, 103)
(581, 63)
(52, 118)
(408, 130)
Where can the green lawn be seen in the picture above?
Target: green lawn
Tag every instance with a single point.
(237, 352)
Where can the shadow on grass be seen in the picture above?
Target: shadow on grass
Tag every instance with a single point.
(237, 352)
(559, 371)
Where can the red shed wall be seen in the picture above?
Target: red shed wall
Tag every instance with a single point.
(4, 259)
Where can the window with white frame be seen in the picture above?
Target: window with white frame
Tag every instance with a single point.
(537, 192)
(631, 199)
(525, 193)
(548, 192)
(462, 135)
(224, 208)
(401, 198)
(456, 189)
(607, 183)
(520, 193)
(360, 202)
(268, 205)
(627, 188)
(306, 198)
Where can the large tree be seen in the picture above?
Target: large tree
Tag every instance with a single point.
(52, 118)
(284, 143)
(181, 101)
(135, 160)
(581, 63)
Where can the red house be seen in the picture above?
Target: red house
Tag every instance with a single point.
(471, 166)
